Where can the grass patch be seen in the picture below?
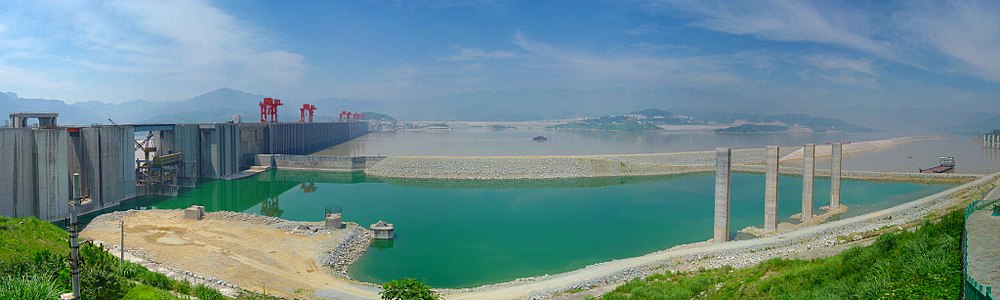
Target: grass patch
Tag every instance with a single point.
(924, 264)
(25, 236)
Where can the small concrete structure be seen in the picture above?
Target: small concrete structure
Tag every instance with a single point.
(333, 221)
(196, 212)
(723, 159)
(381, 230)
(45, 120)
(771, 188)
(808, 177)
(836, 166)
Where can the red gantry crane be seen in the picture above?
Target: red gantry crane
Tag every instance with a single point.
(269, 110)
(302, 112)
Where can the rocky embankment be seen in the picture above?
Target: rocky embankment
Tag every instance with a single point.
(349, 250)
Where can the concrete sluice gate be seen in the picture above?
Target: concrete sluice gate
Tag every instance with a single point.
(36, 163)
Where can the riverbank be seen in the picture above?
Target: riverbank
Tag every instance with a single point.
(238, 251)
(739, 253)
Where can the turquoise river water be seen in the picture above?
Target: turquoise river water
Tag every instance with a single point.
(468, 233)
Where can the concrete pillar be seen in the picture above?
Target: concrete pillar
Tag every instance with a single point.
(836, 164)
(771, 189)
(722, 167)
(808, 174)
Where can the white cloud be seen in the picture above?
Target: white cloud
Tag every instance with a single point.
(464, 54)
(960, 37)
(967, 33)
(778, 20)
(636, 69)
(184, 46)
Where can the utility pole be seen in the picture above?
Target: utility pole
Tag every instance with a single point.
(74, 245)
(121, 263)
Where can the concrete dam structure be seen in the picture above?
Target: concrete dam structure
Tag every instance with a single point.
(36, 162)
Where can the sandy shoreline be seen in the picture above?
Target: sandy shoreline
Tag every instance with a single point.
(859, 147)
(583, 166)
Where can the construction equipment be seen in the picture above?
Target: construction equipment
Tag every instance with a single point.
(302, 112)
(269, 110)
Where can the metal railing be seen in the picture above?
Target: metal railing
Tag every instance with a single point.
(971, 288)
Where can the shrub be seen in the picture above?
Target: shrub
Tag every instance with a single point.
(206, 293)
(406, 289)
(28, 288)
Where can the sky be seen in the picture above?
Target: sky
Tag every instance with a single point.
(852, 52)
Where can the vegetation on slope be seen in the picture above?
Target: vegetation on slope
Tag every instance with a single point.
(34, 264)
(615, 123)
(925, 264)
(751, 128)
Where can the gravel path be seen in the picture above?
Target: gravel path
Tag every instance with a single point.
(984, 248)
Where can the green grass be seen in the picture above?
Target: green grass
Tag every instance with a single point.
(145, 292)
(925, 264)
(28, 288)
(20, 236)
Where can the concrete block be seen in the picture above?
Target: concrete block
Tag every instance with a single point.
(333, 221)
(723, 159)
(382, 230)
(194, 212)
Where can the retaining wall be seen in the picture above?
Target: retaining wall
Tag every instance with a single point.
(318, 162)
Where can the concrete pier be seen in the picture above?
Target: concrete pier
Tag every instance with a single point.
(723, 159)
(771, 189)
(836, 166)
(808, 174)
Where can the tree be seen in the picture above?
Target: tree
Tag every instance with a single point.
(407, 289)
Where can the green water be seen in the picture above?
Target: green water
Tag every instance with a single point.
(469, 233)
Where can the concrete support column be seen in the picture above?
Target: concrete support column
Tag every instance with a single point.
(722, 167)
(771, 189)
(836, 165)
(808, 174)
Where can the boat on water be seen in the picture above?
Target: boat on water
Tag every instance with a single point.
(946, 165)
(539, 138)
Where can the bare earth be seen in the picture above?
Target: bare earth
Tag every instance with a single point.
(251, 255)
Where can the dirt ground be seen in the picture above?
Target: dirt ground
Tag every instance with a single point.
(249, 254)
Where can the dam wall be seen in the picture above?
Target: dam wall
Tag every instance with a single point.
(104, 156)
(33, 165)
(36, 164)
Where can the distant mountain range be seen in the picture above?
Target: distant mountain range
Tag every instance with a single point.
(505, 105)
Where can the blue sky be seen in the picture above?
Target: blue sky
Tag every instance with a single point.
(855, 52)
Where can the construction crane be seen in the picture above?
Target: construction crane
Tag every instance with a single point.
(269, 110)
(302, 112)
